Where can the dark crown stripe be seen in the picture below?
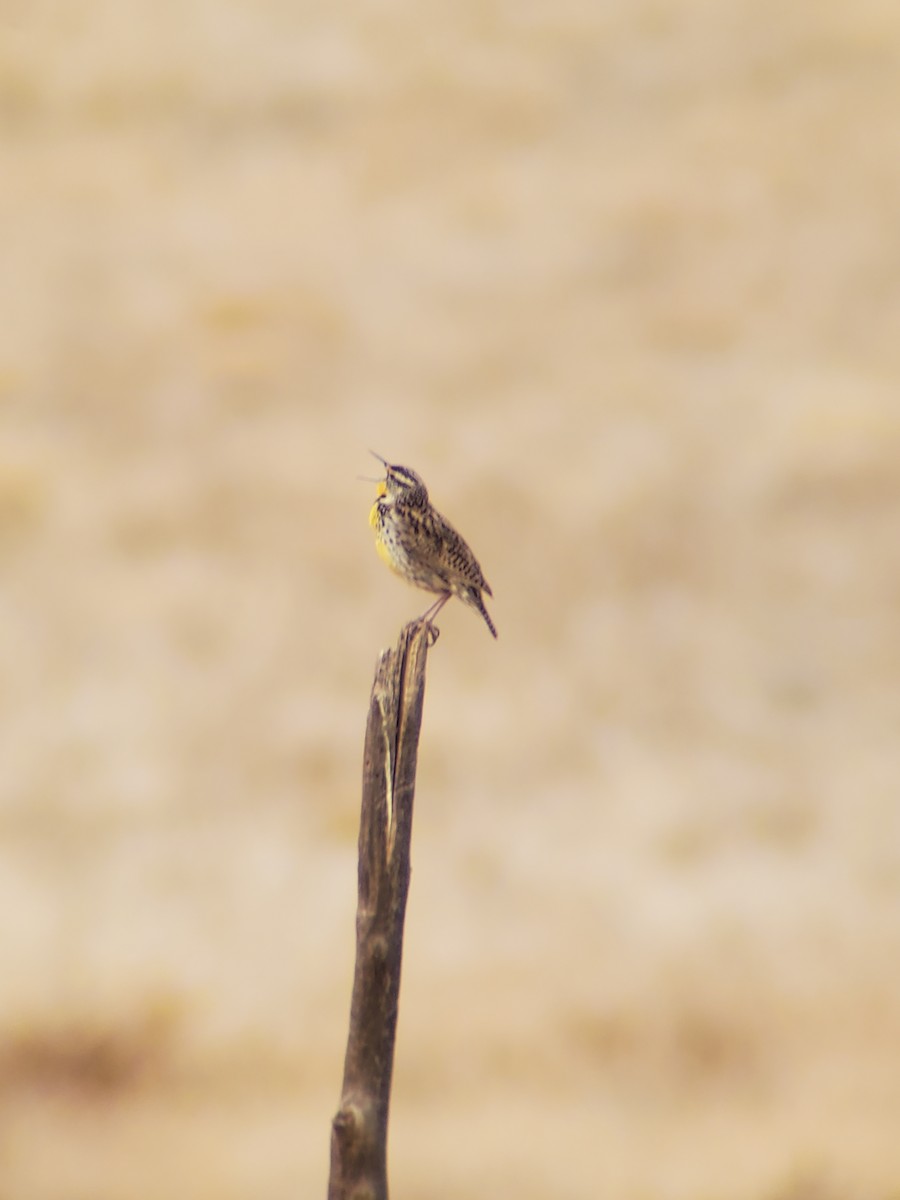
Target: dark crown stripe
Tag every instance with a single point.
(404, 475)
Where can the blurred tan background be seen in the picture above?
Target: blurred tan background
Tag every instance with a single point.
(622, 281)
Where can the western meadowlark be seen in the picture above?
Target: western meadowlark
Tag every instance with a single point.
(422, 546)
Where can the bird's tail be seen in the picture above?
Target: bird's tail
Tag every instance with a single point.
(478, 604)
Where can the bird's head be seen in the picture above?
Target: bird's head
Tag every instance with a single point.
(401, 485)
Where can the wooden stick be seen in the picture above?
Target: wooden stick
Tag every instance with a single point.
(359, 1130)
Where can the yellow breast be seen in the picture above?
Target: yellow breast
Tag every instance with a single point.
(374, 518)
(385, 543)
(384, 553)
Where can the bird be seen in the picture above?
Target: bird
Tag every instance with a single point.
(421, 546)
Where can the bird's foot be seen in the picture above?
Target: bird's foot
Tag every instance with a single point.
(433, 632)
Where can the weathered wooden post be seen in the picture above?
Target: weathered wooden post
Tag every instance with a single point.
(359, 1130)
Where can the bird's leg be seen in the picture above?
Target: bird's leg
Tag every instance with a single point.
(430, 613)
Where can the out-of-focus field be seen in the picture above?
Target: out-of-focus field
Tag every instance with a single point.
(622, 281)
